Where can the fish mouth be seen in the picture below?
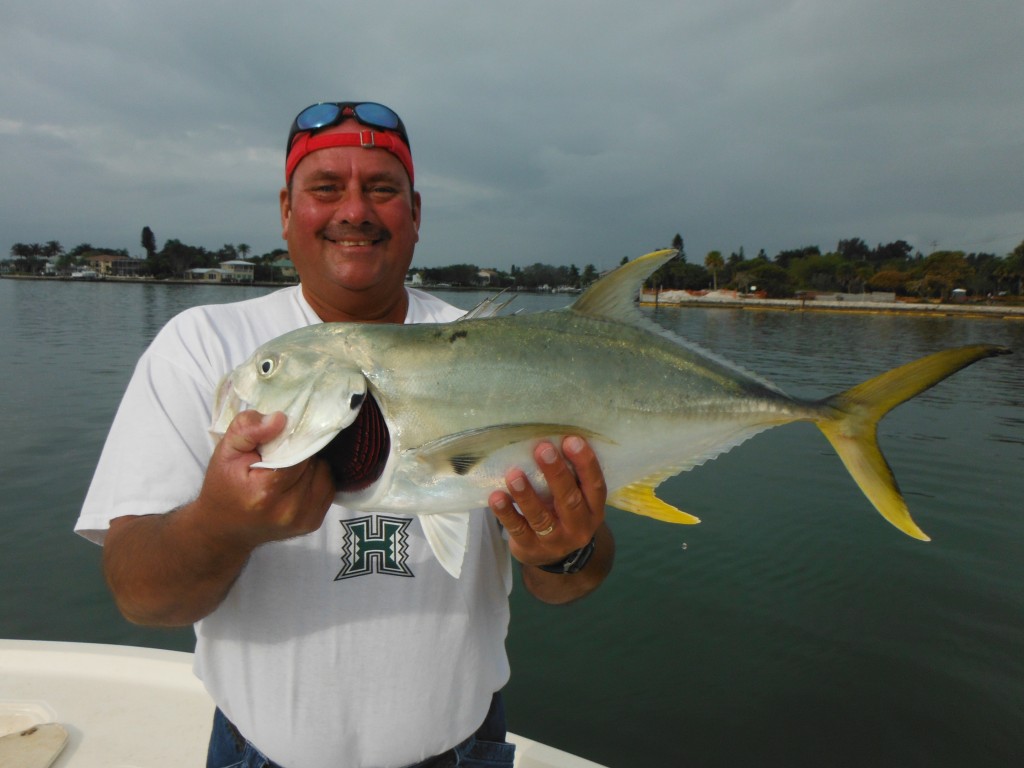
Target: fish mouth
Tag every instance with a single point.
(358, 454)
(277, 453)
(226, 406)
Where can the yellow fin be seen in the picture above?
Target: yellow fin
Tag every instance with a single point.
(614, 295)
(864, 461)
(853, 416)
(639, 499)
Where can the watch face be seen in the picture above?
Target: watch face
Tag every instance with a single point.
(581, 559)
(574, 562)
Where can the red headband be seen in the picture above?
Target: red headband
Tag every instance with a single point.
(377, 139)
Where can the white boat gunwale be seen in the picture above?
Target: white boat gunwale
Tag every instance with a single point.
(133, 707)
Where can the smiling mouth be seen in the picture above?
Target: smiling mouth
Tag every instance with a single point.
(352, 243)
(353, 237)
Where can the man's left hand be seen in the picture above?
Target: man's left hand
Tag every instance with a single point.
(547, 528)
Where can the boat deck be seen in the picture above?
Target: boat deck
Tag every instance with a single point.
(126, 707)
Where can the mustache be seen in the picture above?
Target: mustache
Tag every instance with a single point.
(365, 231)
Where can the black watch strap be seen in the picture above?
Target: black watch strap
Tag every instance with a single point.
(574, 562)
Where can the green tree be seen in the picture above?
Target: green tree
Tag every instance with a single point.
(944, 271)
(853, 249)
(175, 258)
(984, 279)
(26, 257)
(81, 249)
(227, 252)
(1012, 268)
(677, 243)
(714, 264)
(785, 258)
(770, 278)
(676, 274)
(893, 280)
(574, 276)
(454, 274)
(817, 272)
(51, 249)
(896, 252)
(148, 243)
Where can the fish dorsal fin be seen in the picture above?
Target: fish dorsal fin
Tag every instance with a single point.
(639, 499)
(614, 295)
(447, 534)
(460, 452)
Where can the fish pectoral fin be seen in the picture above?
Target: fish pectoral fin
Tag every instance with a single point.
(447, 534)
(460, 452)
(639, 499)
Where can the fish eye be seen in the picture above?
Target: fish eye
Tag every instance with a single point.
(267, 366)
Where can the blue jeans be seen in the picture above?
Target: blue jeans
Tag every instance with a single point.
(484, 749)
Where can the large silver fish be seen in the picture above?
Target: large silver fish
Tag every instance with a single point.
(426, 419)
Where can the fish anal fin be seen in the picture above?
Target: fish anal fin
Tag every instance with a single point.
(639, 499)
(461, 452)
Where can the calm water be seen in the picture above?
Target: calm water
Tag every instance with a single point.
(793, 627)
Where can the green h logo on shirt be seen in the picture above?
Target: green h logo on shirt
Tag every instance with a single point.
(374, 545)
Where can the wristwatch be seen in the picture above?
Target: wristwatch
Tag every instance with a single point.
(574, 562)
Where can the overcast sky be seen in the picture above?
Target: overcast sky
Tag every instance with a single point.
(558, 132)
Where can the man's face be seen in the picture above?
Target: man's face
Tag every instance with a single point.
(351, 222)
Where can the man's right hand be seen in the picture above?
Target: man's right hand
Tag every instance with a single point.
(174, 569)
(251, 505)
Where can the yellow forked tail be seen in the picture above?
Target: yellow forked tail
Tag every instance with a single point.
(852, 424)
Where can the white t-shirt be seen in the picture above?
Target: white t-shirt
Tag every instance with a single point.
(348, 646)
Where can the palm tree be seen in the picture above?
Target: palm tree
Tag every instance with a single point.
(714, 262)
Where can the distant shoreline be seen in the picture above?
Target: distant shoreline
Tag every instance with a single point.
(966, 310)
(145, 281)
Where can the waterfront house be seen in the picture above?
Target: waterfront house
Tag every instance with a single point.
(114, 264)
(233, 271)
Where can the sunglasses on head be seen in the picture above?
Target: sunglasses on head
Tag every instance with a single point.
(331, 113)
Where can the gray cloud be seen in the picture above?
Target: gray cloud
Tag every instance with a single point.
(562, 132)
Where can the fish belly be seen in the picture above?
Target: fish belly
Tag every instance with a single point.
(417, 486)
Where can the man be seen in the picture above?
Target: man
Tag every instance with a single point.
(310, 660)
